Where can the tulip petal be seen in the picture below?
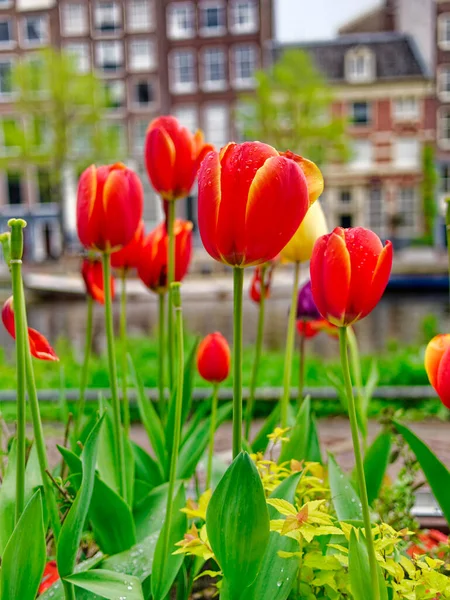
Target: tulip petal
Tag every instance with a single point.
(380, 278)
(122, 198)
(336, 274)
(316, 267)
(86, 195)
(160, 156)
(277, 204)
(314, 177)
(443, 378)
(209, 199)
(433, 355)
(8, 317)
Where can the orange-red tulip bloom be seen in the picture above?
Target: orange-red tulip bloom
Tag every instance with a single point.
(349, 273)
(109, 206)
(310, 329)
(92, 273)
(152, 267)
(173, 156)
(129, 257)
(437, 366)
(39, 346)
(50, 576)
(251, 201)
(213, 358)
(256, 283)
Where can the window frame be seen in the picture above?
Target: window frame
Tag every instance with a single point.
(105, 33)
(136, 106)
(398, 153)
(7, 96)
(369, 113)
(406, 116)
(354, 54)
(88, 56)
(11, 43)
(213, 85)
(181, 87)
(120, 67)
(205, 30)
(240, 82)
(236, 27)
(139, 26)
(64, 19)
(151, 55)
(443, 25)
(187, 34)
(24, 41)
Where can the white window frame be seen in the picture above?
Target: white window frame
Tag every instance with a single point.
(443, 78)
(12, 42)
(183, 87)
(64, 19)
(136, 106)
(138, 126)
(205, 126)
(352, 58)
(120, 67)
(7, 96)
(444, 178)
(238, 28)
(121, 82)
(401, 159)
(175, 33)
(144, 24)
(214, 85)
(187, 115)
(408, 229)
(368, 123)
(241, 82)
(26, 43)
(379, 228)
(85, 64)
(118, 25)
(443, 113)
(133, 64)
(401, 114)
(442, 30)
(220, 30)
(363, 165)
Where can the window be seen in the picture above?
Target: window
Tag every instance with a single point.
(216, 124)
(143, 93)
(109, 56)
(362, 154)
(6, 35)
(212, 18)
(74, 18)
(139, 134)
(444, 30)
(5, 3)
(376, 217)
(214, 77)
(40, 133)
(360, 113)
(44, 186)
(10, 132)
(443, 82)
(345, 196)
(107, 17)
(407, 207)
(115, 94)
(141, 55)
(187, 116)
(183, 71)
(139, 16)
(244, 65)
(360, 65)
(180, 20)
(81, 55)
(244, 16)
(13, 179)
(406, 152)
(407, 109)
(445, 178)
(82, 141)
(5, 77)
(444, 127)
(35, 30)
(345, 221)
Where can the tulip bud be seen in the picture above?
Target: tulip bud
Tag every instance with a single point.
(306, 307)
(300, 248)
(16, 240)
(437, 366)
(213, 358)
(92, 273)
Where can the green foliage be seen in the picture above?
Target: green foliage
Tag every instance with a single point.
(429, 204)
(291, 109)
(108, 584)
(345, 499)
(376, 461)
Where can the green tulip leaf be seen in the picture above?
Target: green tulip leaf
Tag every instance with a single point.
(302, 444)
(359, 569)
(237, 522)
(108, 584)
(376, 462)
(346, 501)
(23, 560)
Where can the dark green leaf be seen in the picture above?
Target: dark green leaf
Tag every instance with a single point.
(149, 514)
(238, 524)
(276, 575)
(376, 462)
(314, 453)
(162, 582)
(24, 557)
(200, 412)
(56, 592)
(108, 584)
(299, 437)
(359, 569)
(72, 529)
(437, 474)
(107, 460)
(345, 500)
(146, 468)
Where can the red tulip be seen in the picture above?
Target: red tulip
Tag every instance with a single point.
(349, 273)
(152, 267)
(251, 201)
(257, 279)
(50, 576)
(437, 366)
(39, 346)
(173, 156)
(310, 329)
(213, 358)
(92, 273)
(129, 256)
(109, 206)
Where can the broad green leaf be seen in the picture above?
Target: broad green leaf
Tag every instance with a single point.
(437, 474)
(376, 462)
(106, 456)
(345, 500)
(371, 384)
(298, 447)
(149, 514)
(24, 557)
(150, 418)
(276, 575)
(194, 447)
(146, 468)
(314, 453)
(200, 412)
(359, 569)
(108, 584)
(56, 592)
(72, 529)
(162, 582)
(85, 431)
(129, 467)
(237, 522)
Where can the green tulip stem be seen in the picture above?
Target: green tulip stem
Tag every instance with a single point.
(176, 300)
(123, 343)
(257, 358)
(290, 343)
(301, 368)
(69, 590)
(212, 431)
(358, 460)
(16, 276)
(170, 280)
(238, 285)
(161, 354)
(115, 401)
(85, 368)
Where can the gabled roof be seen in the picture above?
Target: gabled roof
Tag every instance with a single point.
(396, 55)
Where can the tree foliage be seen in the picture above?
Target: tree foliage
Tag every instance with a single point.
(429, 180)
(292, 109)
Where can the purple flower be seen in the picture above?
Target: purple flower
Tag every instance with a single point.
(306, 307)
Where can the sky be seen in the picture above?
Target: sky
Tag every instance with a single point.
(301, 20)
